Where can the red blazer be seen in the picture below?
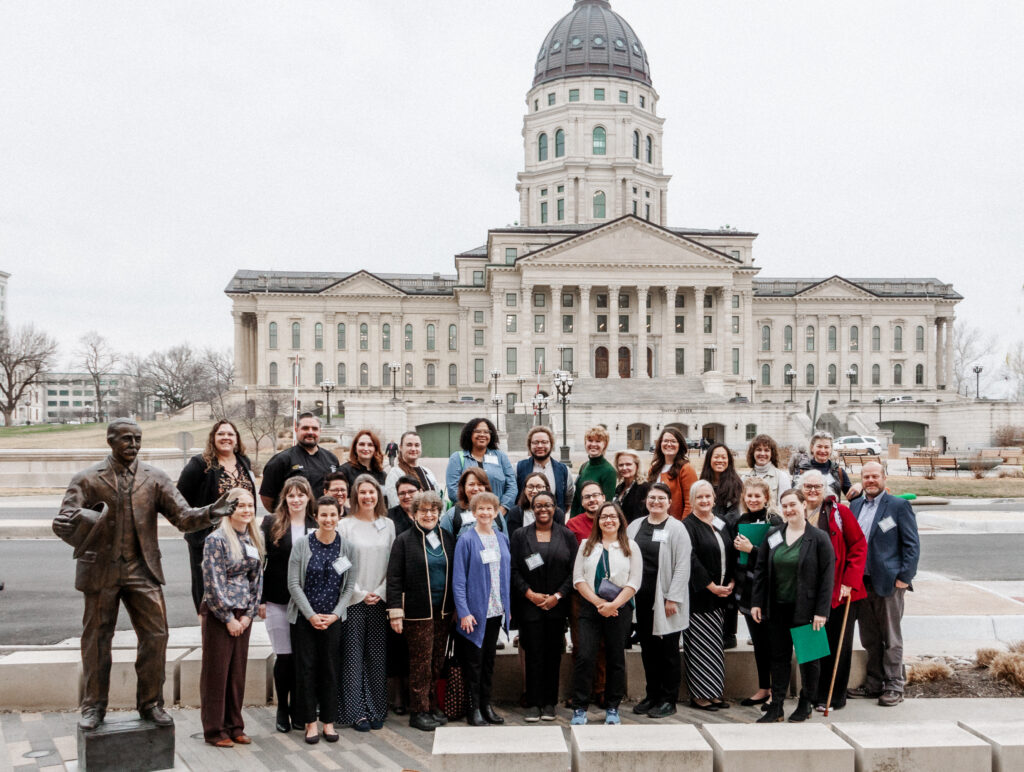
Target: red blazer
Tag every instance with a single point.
(681, 505)
(851, 550)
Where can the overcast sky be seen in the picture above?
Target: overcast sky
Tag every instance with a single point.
(150, 149)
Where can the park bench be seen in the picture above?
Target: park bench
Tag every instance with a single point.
(918, 462)
(849, 460)
(946, 463)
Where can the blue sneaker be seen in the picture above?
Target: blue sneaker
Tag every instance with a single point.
(611, 716)
(579, 717)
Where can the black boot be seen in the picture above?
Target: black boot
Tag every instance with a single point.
(284, 682)
(423, 721)
(489, 715)
(475, 718)
(803, 711)
(774, 714)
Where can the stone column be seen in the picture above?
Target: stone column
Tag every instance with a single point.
(462, 353)
(724, 336)
(929, 352)
(497, 333)
(554, 328)
(375, 361)
(668, 331)
(613, 331)
(698, 329)
(583, 350)
(260, 374)
(751, 341)
(948, 358)
(844, 381)
(940, 348)
(641, 332)
(241, 350)
(526, 294)
(821, 344)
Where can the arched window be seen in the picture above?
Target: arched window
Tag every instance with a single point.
(897, 338)
(385, 337)
(650, 149)
(766, 338)
(559, 143)
(919, 375)
(272, 334)
(854, 374)
(876, 338)
(919, 338)
(636, 145)
(854, 338)
(296, 335)
(385, 375)
(364, 337)
(876, 375)
(832, 375)
(453, 337)
(341, 336)
(364, 374)
(766, 375)
(599, 205)
(273, 373)
(318, 336)
(809, 338)
(341, 373)
(430, 337)
(408, 375)
(318, 373)
(787, 338)
(431, 375)
(408, 337)
(600, 140)
(897, 375)
(453, 375)
(810, 375)
(542, 147)
(833, 339)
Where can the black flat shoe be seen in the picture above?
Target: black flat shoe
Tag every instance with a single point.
(720, 704)
(283, 728)
(312, 740)
(710, 707)
(749, 702)
(642, 707)
(331, 738)
(662, 710)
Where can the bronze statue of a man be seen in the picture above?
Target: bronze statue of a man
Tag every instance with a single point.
(109, 515)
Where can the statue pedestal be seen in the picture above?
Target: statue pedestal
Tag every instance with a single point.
(126, 744)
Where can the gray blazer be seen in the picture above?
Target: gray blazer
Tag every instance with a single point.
(299, 604)
(673, 576)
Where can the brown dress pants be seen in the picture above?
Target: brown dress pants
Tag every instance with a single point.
(222, 678)
(427, 640)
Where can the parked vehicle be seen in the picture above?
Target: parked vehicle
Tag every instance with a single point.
(856, 442)
(903, 398)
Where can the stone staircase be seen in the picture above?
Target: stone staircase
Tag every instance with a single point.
(688, 389)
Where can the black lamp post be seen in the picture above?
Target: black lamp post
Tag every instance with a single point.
(495, 375)
(394, 367)
(326, 387)
(851, 374)
(751, 381)
(977, 381)
(497, 409)
(791, 380)
(879, 401)
(540, 403)
(563, 385)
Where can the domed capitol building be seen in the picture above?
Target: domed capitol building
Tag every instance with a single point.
(657, 323)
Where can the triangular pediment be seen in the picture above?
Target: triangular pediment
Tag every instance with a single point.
(628, 242)
(835, 288)
(363, 283)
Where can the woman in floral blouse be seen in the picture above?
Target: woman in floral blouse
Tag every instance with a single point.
(232, 583)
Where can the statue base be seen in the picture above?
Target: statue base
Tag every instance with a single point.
(126, 744)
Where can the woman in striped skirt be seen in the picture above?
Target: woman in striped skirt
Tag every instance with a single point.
(711, 586)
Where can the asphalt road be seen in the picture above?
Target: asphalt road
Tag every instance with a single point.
(40, 605)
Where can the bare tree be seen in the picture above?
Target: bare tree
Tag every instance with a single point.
(175, 376)
(218, 377)
(136, 391)
(1013, 371)
(970, 344)
(96, 357)
(25, 354)
(264, 418)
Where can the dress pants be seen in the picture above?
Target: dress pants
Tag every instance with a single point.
(879, 620)
(316, 671)
(542, 642)
(574, 637)
(222, 678)
(478, 662)
(426, 640)
(594, 630)
(363, 692)
(763, 653)
(781, 642)
(659, 653)
(135, 586)
(834, 626)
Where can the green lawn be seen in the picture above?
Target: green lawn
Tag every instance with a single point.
(36, 429)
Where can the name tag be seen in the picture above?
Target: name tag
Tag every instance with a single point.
(341, 565)
(251, 552)
(433, 540)
(774, 540)
(490, 458)
(379, 524)
(468, 518)
(534, 561)
(660, 536)
(490, 556)
(718, 523)
(887, 524)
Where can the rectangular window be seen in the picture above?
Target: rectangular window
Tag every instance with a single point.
(635, 205)
(735, 301)
(647, 211)
(478, 337)
(623, 300)
(709, 301)
(567, 300)
(680, 300)
(680, 324)
(735, 361)
(735, 253)
(602, 300)
(543, 191)
(510, 322)
(643, 101)
(510, 299)
(567, 359)
(598, 94)
(543, 212)
(707, 324)
(551, 99)
(510, 255)
(561, 188)
(478, 317)
(735, 325)
(538, 361)
(478, 278)
(624, 97)
(648, 325)
(478, 371)
(510, 361)
(680, 360)
(567, 321)
(574, 95)
(538, 323)
(602, 323)
(709, 359)
(560, 209)
(623, 322)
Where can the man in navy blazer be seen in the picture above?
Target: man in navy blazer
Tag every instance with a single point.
(890, 526)
(540, 442)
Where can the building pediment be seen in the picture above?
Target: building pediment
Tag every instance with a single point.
(363, 284)
(625, 243)
(835, 288)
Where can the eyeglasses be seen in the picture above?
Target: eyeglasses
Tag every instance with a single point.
(813, 487)
(614, 518)
(657, 498)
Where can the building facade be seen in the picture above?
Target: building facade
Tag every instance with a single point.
(593, 280)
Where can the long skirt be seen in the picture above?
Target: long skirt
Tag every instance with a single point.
(702, 652)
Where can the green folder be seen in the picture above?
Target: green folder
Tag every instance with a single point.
(756, 533)
(809, 645)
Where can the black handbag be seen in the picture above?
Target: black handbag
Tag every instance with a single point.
(607, 590)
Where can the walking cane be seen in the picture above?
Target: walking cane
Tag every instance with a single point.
(839, 649)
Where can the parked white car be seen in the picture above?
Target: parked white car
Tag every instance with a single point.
(857, 442)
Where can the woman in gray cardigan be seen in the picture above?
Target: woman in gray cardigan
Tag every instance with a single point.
(320, 580)
(663, 600)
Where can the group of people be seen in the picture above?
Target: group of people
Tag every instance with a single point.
(365, 575)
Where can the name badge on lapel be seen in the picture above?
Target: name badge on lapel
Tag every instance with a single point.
(490, 458)
(379, 524)
(341, 565)
(660, 536)
(490, 556)
(251, 552)
(887, 524)
(718, 523)
(774, 540)
(534, 561)
(433, 540)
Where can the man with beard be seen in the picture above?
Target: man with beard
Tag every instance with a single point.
(540, 441)
(307, 459)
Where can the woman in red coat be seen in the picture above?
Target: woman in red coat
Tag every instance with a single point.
(851, 550)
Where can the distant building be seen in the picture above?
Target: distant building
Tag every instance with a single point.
(65, 397)
(4, 276)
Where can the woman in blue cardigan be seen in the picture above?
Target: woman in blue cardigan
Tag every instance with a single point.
(481, 584)
(479, 443)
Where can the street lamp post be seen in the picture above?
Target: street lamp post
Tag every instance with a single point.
(977, 381)
(497, 410)
(851, 374)
(751, 381)
(521, 380)
(540, 403)
(563, 385)
(326, 387)
(495, 375)
(394, 367)
(879, 401)
(791, 380)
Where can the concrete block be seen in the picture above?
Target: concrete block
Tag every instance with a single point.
(123, 681)
(636, 746)
(915, 747)
(258, 680)
(1009, 628)
(795, 747)
(1006, 739)
(40, 680)
(524, 748)
(116, 741)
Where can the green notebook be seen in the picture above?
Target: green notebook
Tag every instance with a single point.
(809, 645)
(756, 533)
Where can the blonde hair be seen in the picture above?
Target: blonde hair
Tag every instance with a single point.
(231, 536)
(756, 483)
(599, 433)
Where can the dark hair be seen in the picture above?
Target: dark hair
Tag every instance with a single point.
(282, 519)
(466, 437)
(210, 451)
(377, 462)
(521, 502)
(539, 429)
(588, 483)
(658, 460)
(471, 471)
(792, 492)
(405, 467)
(595, 532)
(763, 439)
(729, 489)
(327, 501)
(307, 414)
(407, 480)
(547, 495)
(660, 486)
(335, 476)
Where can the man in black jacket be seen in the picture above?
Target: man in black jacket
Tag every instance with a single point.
(306, 458)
